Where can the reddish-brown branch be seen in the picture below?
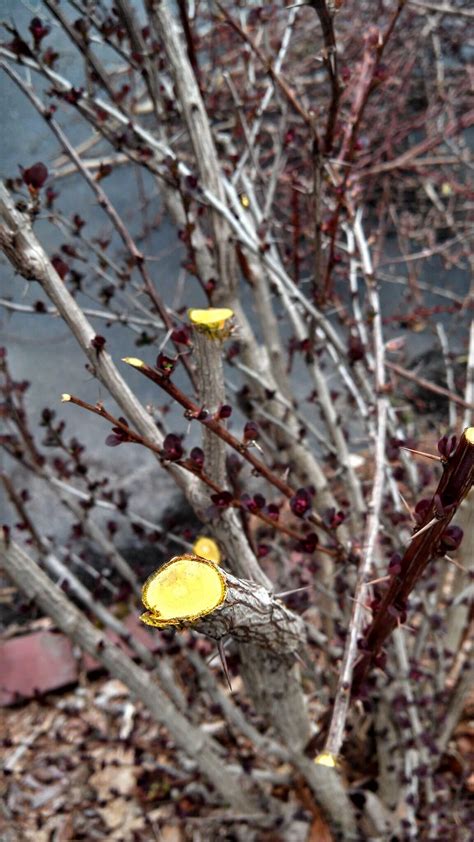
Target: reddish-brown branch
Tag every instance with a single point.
(330, 61)
(266, 63)
(131, 436)
(370, 61)
(410, 158)
(426, 384)
(455, 483)
(82, 43)
(194, 411)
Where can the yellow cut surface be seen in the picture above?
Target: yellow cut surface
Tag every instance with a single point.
(207, 548)
(151, 620)
(326, 759)
(185, 588)
(214, 318)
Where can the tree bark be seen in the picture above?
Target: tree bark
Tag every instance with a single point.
(29, 577)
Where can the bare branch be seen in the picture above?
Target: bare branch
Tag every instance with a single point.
(369, 547)
(26, 574)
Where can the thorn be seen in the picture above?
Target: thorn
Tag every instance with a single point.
(221, 650)
(362, 604)
(163, 343)
(299, 659)
(407, 506)
(380, 579)
(293, 590)
(456, 563)
(406, 627)
(422, 453)
(423, 529)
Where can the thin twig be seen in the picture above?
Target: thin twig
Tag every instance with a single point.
(103, 200)
(343, 693)
(469, 391)
(426, 384)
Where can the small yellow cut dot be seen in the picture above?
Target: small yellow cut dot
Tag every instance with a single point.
(65, 397)
(207, 548)
(326, 759)
(133, 361)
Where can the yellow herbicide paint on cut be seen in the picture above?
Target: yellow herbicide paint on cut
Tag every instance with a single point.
(151, 620)
(326, 759)
(469, 433)
(211, 321)
(184, 589)
(207, 548)
(133, 361)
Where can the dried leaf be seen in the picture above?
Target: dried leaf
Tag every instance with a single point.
(319, 831)
(114, 779)
(171, 833)
(122, 818)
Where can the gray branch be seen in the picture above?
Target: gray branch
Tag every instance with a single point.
(28, 576)
(252, 615)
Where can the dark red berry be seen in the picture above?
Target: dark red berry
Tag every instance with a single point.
(38, 31)
(181, 335)
(309, 543)
(35, 176)
(165, 364)
(451, 538)
(197, 457)
(98, 342)
(355, 349)
(300, 503)
(251, 432)
(172, 447)
(222, 499)
(59, 264)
